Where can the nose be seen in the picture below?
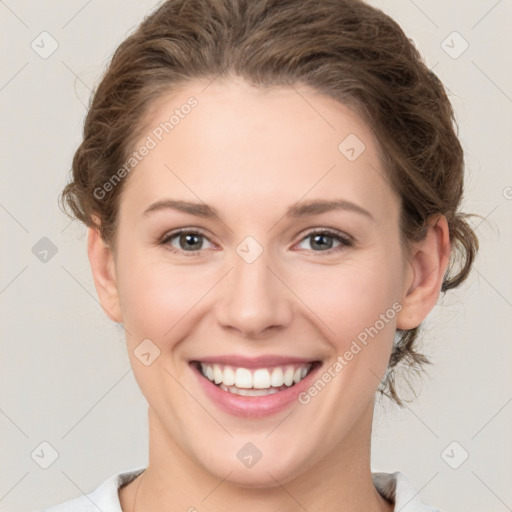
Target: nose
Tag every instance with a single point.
(253, 299)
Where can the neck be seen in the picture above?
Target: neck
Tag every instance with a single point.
(341, 480)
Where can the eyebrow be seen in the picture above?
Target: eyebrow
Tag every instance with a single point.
(312, 207)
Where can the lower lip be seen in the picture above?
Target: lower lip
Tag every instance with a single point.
(254, 406)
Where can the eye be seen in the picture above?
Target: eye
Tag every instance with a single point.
(323, 240)
(188, 241)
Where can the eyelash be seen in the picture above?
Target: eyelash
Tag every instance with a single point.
(345, 240)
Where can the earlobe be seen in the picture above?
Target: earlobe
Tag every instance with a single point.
(429, 261)
(102, 264)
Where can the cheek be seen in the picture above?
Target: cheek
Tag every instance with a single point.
(353, 296)
(156, 296)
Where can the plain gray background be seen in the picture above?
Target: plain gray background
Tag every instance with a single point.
(66, 377)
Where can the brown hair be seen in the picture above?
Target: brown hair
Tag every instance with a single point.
(344, 49)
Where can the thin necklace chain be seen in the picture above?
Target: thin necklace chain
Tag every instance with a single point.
(137, 490)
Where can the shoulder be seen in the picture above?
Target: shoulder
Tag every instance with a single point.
(398, 489)
(105, 497)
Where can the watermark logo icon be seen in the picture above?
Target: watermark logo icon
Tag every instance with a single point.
(249, 455)
(44, 455)
(44, 249)
(455, 455)
(351, 147)
(45, 45)
(146, 352)
(454, 45)
(249, 249)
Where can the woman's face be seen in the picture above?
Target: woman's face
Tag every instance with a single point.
(273, 286)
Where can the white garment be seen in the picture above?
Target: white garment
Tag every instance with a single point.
(393, 486)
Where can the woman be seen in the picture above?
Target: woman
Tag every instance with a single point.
(271, 190)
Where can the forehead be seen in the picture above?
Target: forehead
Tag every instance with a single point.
(235, 146)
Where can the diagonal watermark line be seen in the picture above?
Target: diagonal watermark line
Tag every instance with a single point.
(493, 287)
(13, 217)
(485, 425)
(492, 81)
(424, 13)
(310, 189)
(292, 86)
(508, 508)
(279, 424)
(111, 388)
(14, 423)
(197, 302)
(80, 284)
(76, 14)
(194, 193)
(91, 295)
(212, 80)
(74, 86)
(410, 410)
(216, 487)
(199, 403)
(300, 299)
(486, 217)
(12, 12)
(383, 175)
(13, 279)
(412, 497)
(77, 76)
(286, 491)
(486, 14)
(14, 485)
(66, 226)
(84, 494)
(14, 76)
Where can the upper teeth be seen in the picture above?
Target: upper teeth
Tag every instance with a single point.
(260, 378)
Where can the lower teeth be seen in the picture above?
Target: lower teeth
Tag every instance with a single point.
(251, 392)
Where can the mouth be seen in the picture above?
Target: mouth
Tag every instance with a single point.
(255, 387)
(254, 382)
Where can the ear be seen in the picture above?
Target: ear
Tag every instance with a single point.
(102, 263)
(428, 262)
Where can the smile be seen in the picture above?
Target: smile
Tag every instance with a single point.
(254, 387)
(254, 382)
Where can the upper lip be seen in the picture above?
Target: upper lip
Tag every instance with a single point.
(265, 361)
